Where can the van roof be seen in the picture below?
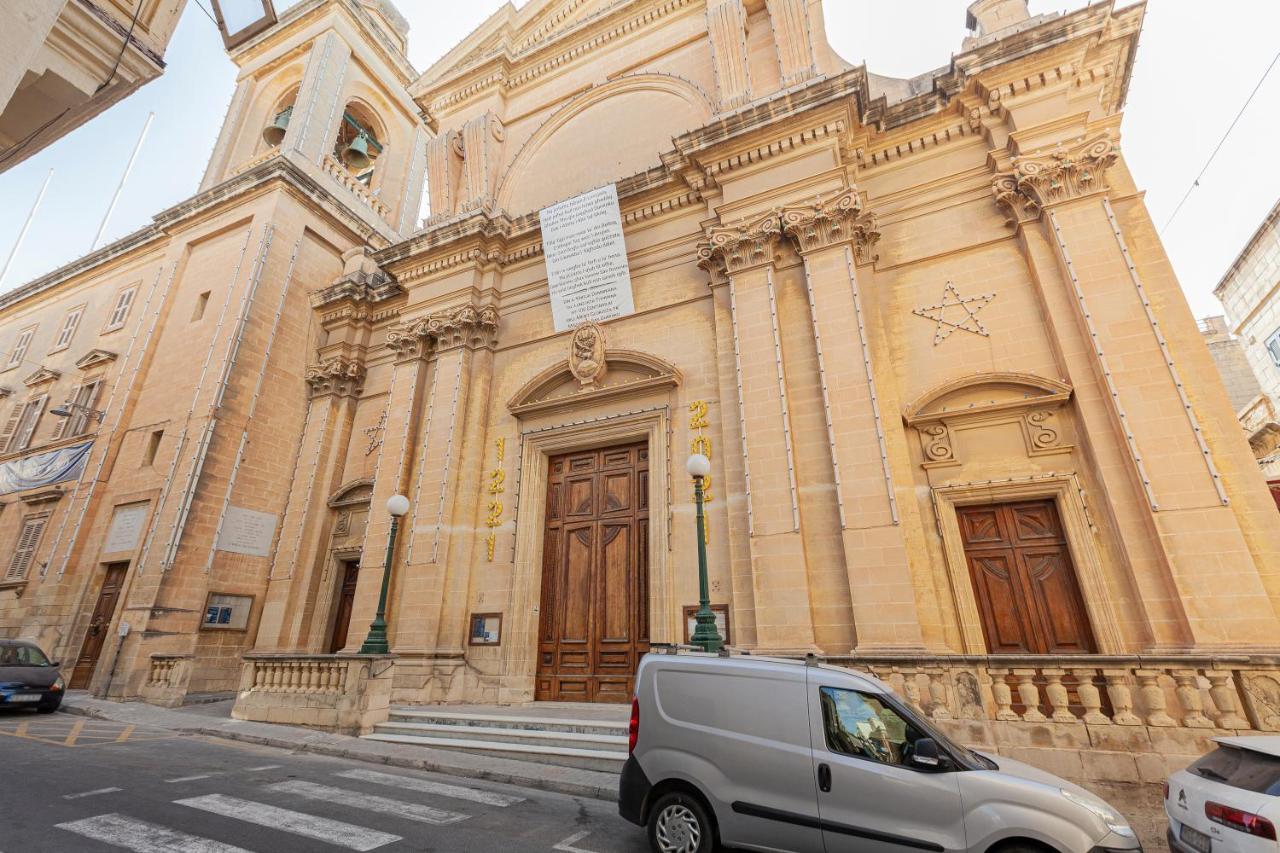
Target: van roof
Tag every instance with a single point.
(708, 658)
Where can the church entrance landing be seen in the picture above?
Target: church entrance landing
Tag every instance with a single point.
(594, 614)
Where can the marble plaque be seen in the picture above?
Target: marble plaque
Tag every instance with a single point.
(126, 527)
(586, 256)
(245, 531)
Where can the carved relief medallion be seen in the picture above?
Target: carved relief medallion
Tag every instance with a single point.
(586, 355)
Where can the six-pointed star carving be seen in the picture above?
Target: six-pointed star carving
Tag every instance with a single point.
(956, 312)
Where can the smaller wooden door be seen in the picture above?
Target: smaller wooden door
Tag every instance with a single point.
(1023, 579)
(346, 603)
(103, 612)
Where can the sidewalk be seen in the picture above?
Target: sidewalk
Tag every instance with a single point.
(213, 720)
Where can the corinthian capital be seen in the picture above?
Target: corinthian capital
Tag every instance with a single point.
(462, 325)
(340, 376)
(1041, 179)
(739, 247)
(837, 219)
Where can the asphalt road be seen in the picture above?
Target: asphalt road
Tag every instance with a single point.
(74, 784)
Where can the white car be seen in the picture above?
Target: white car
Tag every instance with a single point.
(1228, 801)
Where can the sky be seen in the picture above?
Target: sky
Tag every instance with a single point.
(1196, 66)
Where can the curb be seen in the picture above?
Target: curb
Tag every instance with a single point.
(536, 777)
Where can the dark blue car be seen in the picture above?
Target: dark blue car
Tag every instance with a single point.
(27, 678)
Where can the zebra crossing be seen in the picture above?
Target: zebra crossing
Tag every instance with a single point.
(298, 807)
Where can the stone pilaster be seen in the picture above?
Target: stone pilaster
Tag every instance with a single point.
(745, 254)
(1166, 493)
(832, 235)
(727, 27)
(317, 108)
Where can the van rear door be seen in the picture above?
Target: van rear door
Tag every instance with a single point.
(871, 798)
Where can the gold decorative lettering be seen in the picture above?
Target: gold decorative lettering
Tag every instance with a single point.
(497, 479)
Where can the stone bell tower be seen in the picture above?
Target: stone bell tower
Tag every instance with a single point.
(327, 89)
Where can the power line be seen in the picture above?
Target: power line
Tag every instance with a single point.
(207, 14)
(1221, 142)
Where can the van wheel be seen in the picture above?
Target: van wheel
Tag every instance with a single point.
(679, 824)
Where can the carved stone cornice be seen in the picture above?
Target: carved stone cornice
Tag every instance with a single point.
(832, 221)
(736, 248)
(475, 326)
(1043, 179)
(339, 376)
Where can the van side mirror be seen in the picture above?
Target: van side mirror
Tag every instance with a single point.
(925, 753)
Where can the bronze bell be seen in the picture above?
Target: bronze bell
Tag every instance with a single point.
(274, 132)
(356, 155)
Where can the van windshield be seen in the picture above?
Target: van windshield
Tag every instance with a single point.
(22, 656)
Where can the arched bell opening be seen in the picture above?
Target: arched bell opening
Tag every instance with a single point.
(279, 116)
(359, 143)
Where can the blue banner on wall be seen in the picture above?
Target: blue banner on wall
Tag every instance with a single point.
(43, 469)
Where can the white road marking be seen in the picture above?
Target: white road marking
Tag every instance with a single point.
(566, 846)
(369, 802)
(90, 793)
(263, 767)
(426, 786)
(142, 837)
(321, 829)
(189, 778)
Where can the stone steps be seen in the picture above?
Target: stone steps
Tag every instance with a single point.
(599, 745)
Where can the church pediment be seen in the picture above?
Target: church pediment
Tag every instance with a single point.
(623, 373)
(41, 376)
(986, 394)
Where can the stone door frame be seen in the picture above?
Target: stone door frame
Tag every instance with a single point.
(1064, 490)
(538, 445)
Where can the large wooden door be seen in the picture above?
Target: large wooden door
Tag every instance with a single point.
(345, 604)
(103, 611)
(1023, 579)
(594, 624)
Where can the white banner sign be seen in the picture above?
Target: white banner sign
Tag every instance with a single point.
(126, 526)
(587, 271)
(245, 531)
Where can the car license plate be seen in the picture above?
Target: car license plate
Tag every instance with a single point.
(24, 697)
(1195, 839)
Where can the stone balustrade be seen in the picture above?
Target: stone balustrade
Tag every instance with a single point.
(256, 160)
(1194, 692)
(167, 679)
(349, 694)
(343, 176)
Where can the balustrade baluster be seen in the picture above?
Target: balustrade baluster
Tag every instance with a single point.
(911, 689)
(1029, 694)
(1090, 697)
(1153, 697)
(1222, 690)
(937, 693)
(1188, 693)
(1121, 696)
(1002, 695)
(1059, 701)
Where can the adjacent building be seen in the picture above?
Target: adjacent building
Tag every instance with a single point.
(954, 399)
(68, 60)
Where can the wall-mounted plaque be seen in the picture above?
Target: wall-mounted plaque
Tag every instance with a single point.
(227, 612)
(126, 528)
(587, 271)
(245, 531)
(722, 621)
(486, 629)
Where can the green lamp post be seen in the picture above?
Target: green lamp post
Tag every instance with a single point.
(376, 642)
(705, 633)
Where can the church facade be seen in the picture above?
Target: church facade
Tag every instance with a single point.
(955, 403)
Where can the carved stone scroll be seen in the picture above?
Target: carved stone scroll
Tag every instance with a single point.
(1067, 172)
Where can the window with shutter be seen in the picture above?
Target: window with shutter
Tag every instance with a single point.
(83, 401)
(25, 551)
(69, 326)
(19, 351)
(27, 424)
(1273, 348)
(11, 425)
(121, 312)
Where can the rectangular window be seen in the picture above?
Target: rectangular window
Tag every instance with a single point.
(202, 302)
(153, 448)
(25, 550)
(68, 331)
(1273, 348)
(22, 423)
(121, 312)
(20, 347)
(81, 405)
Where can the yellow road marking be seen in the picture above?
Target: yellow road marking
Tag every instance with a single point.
(74, 733)
(124, 735)
(22, 730)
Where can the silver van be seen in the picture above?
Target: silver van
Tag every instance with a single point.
(770, 754)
